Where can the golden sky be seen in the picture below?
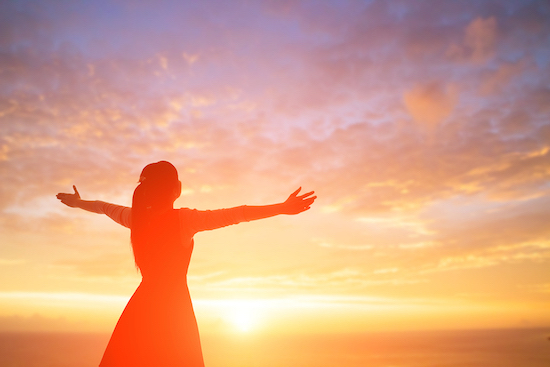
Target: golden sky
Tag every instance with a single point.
(423, 127)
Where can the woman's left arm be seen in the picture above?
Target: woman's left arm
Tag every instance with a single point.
(295, 204)
(204, 220)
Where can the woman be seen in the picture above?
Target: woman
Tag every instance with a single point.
(158, 325)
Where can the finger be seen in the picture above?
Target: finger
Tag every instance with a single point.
(308, 203)
(306, 195)
(311, 199)
(296, 192)
(76, 191)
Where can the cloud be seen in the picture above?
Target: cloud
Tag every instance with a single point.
(103, 113)
(37, 323)
(498, 255)
(479, 41)
(500, 79)
(11, 262)
(431, 104)
(341, 281)
(430, 121)
(103, 266)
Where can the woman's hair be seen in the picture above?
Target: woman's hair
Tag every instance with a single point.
(157, 189)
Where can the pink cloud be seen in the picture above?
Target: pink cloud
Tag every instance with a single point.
(479, 42)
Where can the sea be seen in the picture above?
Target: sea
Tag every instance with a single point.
(458, 348)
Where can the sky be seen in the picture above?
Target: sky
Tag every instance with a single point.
(422, 126)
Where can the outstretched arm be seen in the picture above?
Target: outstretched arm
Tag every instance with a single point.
(74, 201)
(120, 214)
(295, 204)
(204, 220)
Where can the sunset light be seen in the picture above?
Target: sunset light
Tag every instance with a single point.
(422, 126)
(244, 315)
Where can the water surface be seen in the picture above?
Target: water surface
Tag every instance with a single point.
(468, 348)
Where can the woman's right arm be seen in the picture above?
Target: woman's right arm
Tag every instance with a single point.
(74, 201)
(119, 214)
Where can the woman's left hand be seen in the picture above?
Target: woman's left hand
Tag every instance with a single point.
(296, 204)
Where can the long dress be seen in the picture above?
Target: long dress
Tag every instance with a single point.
(158, 325)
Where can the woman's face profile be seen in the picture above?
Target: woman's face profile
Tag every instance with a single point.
(177, 191)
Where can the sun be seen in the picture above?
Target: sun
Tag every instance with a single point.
(244, 315)
(242, 321)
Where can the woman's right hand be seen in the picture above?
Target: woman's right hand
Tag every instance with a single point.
(71, 200)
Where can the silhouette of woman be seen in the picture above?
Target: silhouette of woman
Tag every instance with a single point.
(158, 325)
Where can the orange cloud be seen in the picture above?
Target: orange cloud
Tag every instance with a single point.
(430, 104)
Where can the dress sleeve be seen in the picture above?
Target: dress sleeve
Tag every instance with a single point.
(204, 220)
(120, 214)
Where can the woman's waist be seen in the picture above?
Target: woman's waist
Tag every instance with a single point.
(164, 276)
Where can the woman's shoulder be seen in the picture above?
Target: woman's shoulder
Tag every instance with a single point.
(186, 211)
(187, 214)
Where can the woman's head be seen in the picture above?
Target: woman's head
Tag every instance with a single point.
(158, 186)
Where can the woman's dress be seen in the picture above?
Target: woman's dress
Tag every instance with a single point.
(158, 325)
